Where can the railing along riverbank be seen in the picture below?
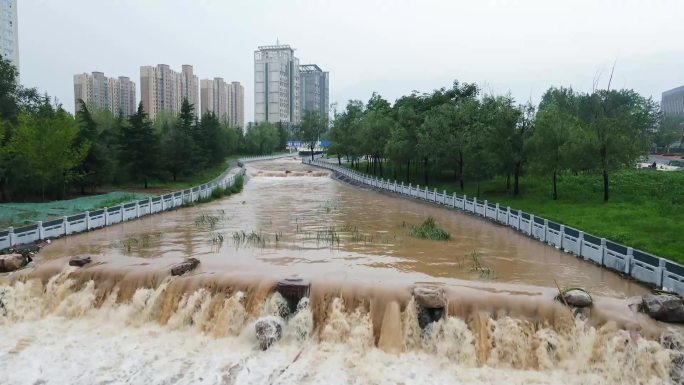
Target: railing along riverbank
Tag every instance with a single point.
(90, 220)
(640, 265)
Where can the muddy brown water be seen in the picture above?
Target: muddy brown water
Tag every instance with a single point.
(124, 319)
(295, 219)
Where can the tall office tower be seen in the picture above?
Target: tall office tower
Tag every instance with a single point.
(9, 31)
(215, 97)
(314, 89)
(672, 103)
(276, 85)
(163, 89)
(237, 105)
(102, 93)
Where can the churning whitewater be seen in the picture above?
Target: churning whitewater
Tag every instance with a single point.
(124, 318)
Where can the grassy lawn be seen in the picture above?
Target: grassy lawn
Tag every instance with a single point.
(20, 214)
(645, 211)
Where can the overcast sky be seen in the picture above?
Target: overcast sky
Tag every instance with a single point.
(392, 47)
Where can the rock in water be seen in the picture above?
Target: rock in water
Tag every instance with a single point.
(12, 262)
(80, 261)
(431, 305)
(577, 298)
(185, 266)
(664, 307)
(430, 298)
(268, 331)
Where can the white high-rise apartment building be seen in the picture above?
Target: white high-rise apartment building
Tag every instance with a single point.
(276, 85)
(215, 97)
(9, 31)
(236, 110)
(225, 100)
(99, 92)
(163, 89)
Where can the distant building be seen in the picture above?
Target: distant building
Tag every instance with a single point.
(225, 100)
(276, 85)
(9, 31)
(99, 92)
(236, 111)
(314, 89)
(163, 89)
(214, 97)
(673, 102)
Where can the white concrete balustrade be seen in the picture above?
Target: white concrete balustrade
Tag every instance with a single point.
(90, 220)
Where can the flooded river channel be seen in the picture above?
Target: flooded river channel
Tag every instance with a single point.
(124, 319)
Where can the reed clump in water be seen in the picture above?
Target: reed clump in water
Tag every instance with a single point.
(479, 267)
(429, 230)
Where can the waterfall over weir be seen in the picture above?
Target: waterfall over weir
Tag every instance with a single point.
(78, 327)
(350, 316)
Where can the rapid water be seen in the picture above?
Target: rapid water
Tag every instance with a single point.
(123, 319)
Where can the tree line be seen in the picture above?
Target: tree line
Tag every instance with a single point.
(463, 134)
(46, 152)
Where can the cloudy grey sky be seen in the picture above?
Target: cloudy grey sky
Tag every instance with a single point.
(392, 47)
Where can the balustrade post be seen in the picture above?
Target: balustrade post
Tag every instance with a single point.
(562, 236)
(603, 250)
(12, 237)
(87, 219)
(628, 260)
(546, 229)
(65, 220)
(531, 234)
(660, 272)
(580, 239)
(39, 228)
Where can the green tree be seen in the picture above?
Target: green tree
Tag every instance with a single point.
(550, 147)
(210, 139)
(312, 127)
(47, 145)
(617, 125)
(95, 168)
(140, 147)
(345, 133)
(179, 150)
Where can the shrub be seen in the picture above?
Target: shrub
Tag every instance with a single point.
(429, 230)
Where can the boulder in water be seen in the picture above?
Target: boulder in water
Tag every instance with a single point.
(576, 298)
(185, 266)
(429, 297)
(26, 250)
(664, 307)
(268, 331)
(431, 305)
(12, 262)
(80, 261)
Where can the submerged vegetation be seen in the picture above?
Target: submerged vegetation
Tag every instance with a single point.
(429, 230)
(137, 243)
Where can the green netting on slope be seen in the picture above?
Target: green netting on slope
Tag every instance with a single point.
(19, 214)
